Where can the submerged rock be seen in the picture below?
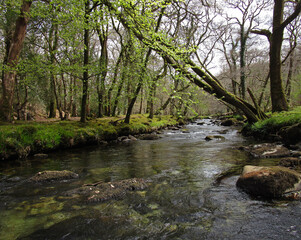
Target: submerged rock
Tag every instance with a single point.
(267, 150)
(100, 192)
(53, 176)
(270, 182)
(149, 137)
(41, 155)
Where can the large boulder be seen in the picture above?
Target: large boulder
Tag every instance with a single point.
(291, 134)
(53, 176)
(270, 182)
(100, 192)
(267, 150)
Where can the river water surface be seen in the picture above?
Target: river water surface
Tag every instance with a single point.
(181, 202)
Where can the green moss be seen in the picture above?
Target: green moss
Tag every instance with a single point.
(275, 122)
(23, 138)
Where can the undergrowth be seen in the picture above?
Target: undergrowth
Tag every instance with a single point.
(275, 122)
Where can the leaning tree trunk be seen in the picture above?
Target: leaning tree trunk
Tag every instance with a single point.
(8, 81)
(183, 64)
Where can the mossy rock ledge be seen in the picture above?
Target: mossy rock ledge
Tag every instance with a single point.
(48, 176)
(270, 182)
(104, 191)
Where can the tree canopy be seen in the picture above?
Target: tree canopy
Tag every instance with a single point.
(93, 58)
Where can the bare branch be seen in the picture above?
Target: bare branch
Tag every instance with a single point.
(263, 32)
(292, 16)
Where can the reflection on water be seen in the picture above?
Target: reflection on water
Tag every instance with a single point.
(181, 201)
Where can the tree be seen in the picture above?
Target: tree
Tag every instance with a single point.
(8, 81)
(275, 38)
(246, 16)
(179, 59)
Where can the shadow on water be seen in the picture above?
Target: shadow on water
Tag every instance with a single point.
(183, 199)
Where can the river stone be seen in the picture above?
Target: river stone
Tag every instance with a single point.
(267, 150)
(291, 162)
(212, 137)
(132, 138)
(53, 176)
(227, 122)
(100, 192)
(269, 182)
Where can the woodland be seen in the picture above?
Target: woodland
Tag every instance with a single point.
(96, 58)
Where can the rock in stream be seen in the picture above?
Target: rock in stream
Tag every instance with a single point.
(100, 192)
(53, 176)
(270, 182)
(267, 150)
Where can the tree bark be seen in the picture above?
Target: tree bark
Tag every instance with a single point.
(103, 63)
(138, 88)
(83, 115)
(8, 81)
(243, 42)
(53, 43)
(279, 102)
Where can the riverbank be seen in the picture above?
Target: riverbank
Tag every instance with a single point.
(284, 127)
(22, 139)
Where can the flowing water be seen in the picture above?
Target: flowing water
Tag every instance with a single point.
(182, 200)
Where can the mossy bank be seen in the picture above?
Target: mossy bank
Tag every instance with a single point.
(21, 139)
(284, 126)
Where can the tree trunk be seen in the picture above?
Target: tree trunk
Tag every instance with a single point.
(103, 63)
(139, 86)
(243, 42)
(109, 96)
(279, 102)
(8, 81)
(288, 86)
(83, 115)
(53, 43)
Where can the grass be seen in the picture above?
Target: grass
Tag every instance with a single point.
(23, 138)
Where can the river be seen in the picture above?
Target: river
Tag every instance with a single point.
(182, 200)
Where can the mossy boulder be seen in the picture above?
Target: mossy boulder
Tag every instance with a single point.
(269, 182)
(53, 176)
(100, 192)
(267, 150)
(291, 134)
